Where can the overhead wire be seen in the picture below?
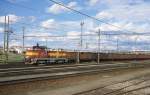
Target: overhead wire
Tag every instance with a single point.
(29, 8)
(34, 10)
(132, 33)
(84, 14)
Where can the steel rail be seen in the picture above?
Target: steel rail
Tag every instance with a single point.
(59, 74)
(137, 83)
(112, 83)
(56, 66)
(58, 69)
(139, 88)
(28, 78)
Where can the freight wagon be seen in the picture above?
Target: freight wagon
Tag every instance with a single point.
(123, 56)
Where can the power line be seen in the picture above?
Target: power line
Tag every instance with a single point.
(86, 15)
(102, 32)
(15, 4)
(34, 10)
(31, 9)
(23, 38)
(145, 34)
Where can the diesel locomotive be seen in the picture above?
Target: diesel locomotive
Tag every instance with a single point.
(40, 55)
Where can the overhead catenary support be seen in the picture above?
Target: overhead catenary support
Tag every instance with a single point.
(7, 38)
(136, 48)
(46, 42)
(81, 42)
(4, 36)
(98, 54)
(8, 31)
(23, 37)
(87, 45)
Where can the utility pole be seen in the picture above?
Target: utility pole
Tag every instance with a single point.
(87, 45)
(8, 30)
(78, 54)
(23, 37)
(4, 36)
(5, 27)
(46, 43)
(98, 59)
(136, 49)
(82, 23)
(7, 38)
(23, 30)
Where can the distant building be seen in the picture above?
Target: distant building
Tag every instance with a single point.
(16, 49)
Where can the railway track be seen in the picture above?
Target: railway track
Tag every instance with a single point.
(45, 66)
(15, 75)
(129, 86)
(28, 70)
(58, 66)
(133, 86)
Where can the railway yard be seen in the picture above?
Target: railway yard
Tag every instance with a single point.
(122, 78)
(74, 47)
(44, 72)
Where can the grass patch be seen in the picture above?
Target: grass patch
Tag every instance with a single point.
(11, 58)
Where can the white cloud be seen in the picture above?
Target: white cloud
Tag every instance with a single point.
(68, 25)
(1, 29)
(90, 27)
(15, 43)
(32, 18)
(93, 2)
(122, 2)
(50, 23)
(72, 4)
(60, 25)
(15, 1)
(41, 35)
(56, 9)
(37, 33)
(123, 10)
(13, 18)
(103, 47)
(123, 27)
(104, 15)
(73, 35)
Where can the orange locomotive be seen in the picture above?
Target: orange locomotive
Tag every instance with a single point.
(39, 55)
(34, 53)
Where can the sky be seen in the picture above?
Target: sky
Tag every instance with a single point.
(58, 27)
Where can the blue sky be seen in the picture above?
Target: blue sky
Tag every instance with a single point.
(44, 18)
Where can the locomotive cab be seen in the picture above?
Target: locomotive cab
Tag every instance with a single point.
(34, 53)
